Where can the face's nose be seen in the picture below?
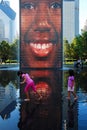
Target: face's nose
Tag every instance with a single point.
(42, 18)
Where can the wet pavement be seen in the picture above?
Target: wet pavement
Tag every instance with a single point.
(53, 111)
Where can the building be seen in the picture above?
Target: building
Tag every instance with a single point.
(70, 19)
(85, 26)
(7, 22)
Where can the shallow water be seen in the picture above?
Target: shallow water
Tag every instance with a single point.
(53, 112)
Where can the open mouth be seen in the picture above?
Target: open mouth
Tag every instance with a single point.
(41, 49)
(43, 88)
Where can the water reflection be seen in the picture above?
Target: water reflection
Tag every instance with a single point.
(8, 95)
(7, 100)
(47, 113)
(53, 112)
(72, 112)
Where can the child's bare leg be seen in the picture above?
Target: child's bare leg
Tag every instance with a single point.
(27, 95)
(74, 94)
(68, 94)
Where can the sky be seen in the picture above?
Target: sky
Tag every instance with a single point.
(82, 11)
(14, 4)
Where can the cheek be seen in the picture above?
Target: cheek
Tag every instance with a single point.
(56, 19)
(25, 48)
(57, 22)
(25, 22)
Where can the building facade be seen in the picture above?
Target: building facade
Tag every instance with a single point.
(70, 19)
(85, 26)
(7, 22)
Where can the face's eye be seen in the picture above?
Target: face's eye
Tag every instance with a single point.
(55, 5)
(27, 6)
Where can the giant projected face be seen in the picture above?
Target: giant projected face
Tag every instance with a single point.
(41, 33)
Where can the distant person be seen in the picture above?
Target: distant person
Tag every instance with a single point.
(71, 84)
(29, 84)
(75, 64)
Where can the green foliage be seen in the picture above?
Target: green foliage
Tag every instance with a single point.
(77, 49)
(11, 61)
(14, 50)
(84, 42)
(4, 51)
(9, 51)
(67, 50)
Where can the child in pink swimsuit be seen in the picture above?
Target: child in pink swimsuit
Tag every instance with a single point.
(29, 83)
(71, 84)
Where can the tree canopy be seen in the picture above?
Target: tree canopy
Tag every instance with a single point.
(9, 51)
(77, 49)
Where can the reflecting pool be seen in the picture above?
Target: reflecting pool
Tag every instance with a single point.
(53, 111)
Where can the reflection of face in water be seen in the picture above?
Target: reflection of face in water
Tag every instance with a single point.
(40, 33)
(47, 82)
(48, 115)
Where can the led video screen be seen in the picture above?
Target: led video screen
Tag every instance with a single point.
(41, 33)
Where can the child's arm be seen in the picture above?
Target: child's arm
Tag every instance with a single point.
(73, 82)
(23, 81)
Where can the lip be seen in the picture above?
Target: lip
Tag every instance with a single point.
(41, 49)
(44, 88)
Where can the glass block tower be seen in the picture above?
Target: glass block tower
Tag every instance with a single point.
(7, 22)
(70, 19)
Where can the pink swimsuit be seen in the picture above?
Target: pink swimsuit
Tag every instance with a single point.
(29, 83)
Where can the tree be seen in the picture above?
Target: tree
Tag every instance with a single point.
(84, 42)
(67, 50)
(77, 47)
(14, 49)
(4, 51)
